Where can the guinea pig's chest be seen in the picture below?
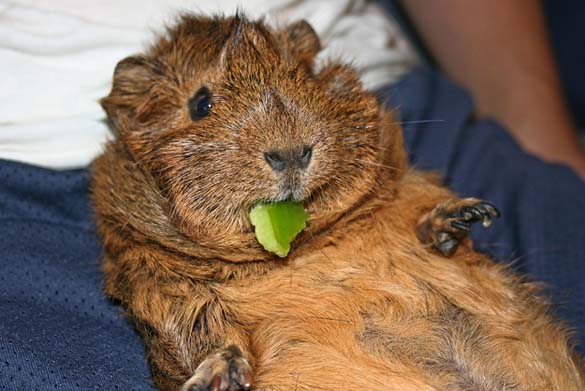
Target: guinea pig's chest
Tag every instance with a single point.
(334, 284)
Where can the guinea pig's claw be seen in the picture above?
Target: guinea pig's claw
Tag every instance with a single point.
(450, 222)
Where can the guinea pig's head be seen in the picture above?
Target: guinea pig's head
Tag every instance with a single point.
(225, 113)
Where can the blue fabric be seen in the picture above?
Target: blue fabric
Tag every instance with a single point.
(567, 36)
(58, 332)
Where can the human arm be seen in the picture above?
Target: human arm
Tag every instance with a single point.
(499, 51)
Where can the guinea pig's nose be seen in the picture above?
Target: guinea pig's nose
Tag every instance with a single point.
(280, 160)
(276, 160)
(305, 158)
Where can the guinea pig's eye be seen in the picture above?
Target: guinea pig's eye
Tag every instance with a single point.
(200, 104)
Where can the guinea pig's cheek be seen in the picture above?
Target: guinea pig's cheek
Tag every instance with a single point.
(322, 167)
(181, 217)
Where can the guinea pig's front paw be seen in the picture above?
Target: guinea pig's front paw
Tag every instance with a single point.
(450, 222)
(226, 370)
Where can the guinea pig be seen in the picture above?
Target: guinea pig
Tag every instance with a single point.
(381, 291)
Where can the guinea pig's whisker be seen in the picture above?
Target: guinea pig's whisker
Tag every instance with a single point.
(375, 164)
(422, 121)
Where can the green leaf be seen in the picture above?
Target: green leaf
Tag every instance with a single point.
(277, 224)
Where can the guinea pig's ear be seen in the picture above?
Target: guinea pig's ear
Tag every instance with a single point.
(133, 78)
(302, 41)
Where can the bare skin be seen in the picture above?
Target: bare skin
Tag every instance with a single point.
(499, 51)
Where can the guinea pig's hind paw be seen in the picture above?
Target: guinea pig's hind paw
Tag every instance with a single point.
(450, 222)
(226, 370)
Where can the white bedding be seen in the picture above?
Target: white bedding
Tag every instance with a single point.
(57, 59)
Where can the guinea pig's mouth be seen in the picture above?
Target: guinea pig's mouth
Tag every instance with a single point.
(286, 191)
(290, 189)
(291, 194)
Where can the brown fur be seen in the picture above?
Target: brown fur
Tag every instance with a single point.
(360, 302)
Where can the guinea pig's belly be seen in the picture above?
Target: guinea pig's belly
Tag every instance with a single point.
(351, 324)
(354, 319)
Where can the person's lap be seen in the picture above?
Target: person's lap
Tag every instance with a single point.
(59, 332)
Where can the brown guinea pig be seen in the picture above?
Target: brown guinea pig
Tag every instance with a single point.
(381, 291)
